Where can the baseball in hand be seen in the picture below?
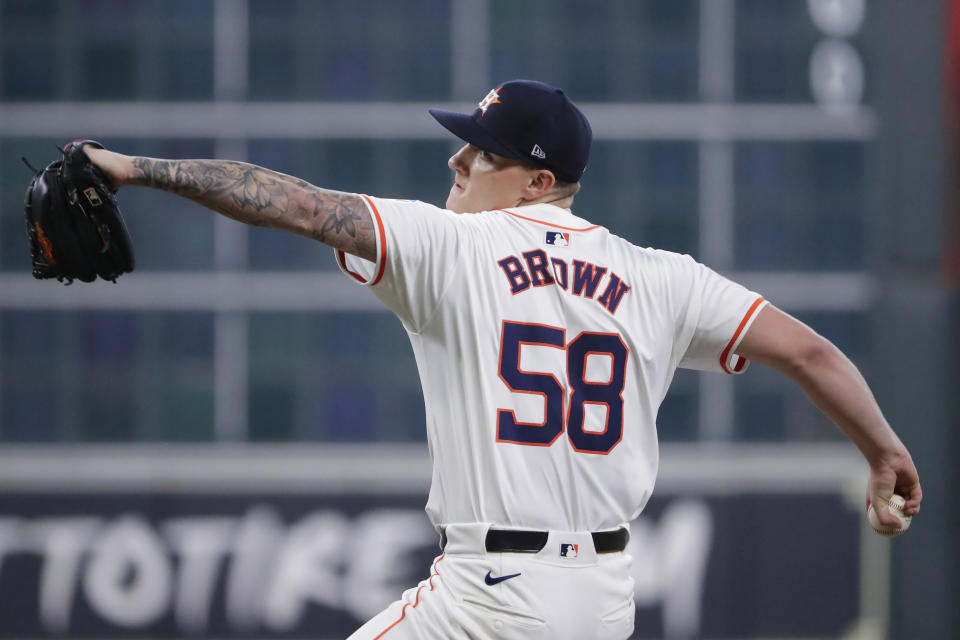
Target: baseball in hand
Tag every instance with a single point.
(895, 506)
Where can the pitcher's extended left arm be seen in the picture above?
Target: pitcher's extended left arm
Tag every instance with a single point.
(835, 385)
(252, 195)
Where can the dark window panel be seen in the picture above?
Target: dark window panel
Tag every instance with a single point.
(269, 71)
(30, 356)
(678, 417)
(187, 335)
(187, 416)
(332, 377)
(27, 413)
(106, 50)
(771, 74)
(109, 412)
(668, 14)
(106, 376)
(29, 335)
(760, 416)
(33, 374)
(109, 340)
(760, 13)
(401, 414)
(624, 51)
(670, 73)
(344, 72)
(28, 69)
(322, 51)
(270, 414)
(801, 206)
(105, 12)
(186, 73)
(347, 413)
(21, 14)
(108, 71)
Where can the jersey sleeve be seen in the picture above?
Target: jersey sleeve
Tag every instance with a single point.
(714, 319)
(417, 250)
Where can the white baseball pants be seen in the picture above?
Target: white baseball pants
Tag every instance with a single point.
(564, 591)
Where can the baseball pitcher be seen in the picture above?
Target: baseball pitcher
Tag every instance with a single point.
(545, 345)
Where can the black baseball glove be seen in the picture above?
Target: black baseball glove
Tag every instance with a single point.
(73, 222)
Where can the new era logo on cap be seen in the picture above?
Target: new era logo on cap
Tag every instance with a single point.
(537, 152)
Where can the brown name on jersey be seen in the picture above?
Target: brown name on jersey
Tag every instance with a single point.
(578, 277)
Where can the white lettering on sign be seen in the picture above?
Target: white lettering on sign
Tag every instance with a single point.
(201, 544)
(670, 564)
(266, 573)
(129, 578)
(61, 542)
(307, 569)
(381, 562)
(260, 533)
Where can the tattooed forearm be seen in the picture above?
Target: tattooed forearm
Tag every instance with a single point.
(265, 198)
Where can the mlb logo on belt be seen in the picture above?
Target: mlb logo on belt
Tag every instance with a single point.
(558, 238)
(568, 550)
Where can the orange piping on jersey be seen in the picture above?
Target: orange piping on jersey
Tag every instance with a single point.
(403, 612)
(548, 224)
(726, 352)
(383, 240)
(382, 258)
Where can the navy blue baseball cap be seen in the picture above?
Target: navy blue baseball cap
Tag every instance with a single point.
(528, 120)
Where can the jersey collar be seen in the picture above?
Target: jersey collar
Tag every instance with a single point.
(551, 216)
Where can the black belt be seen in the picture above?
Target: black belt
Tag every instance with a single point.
(518, 541)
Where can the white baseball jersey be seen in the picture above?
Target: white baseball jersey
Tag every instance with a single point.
(545, 345)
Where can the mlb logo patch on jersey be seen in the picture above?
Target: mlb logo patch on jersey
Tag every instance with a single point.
(558, 238)
(568, 550)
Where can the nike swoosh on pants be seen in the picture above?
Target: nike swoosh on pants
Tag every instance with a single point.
(492, 581)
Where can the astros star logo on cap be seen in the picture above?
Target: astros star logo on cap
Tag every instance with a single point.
(492, 98)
